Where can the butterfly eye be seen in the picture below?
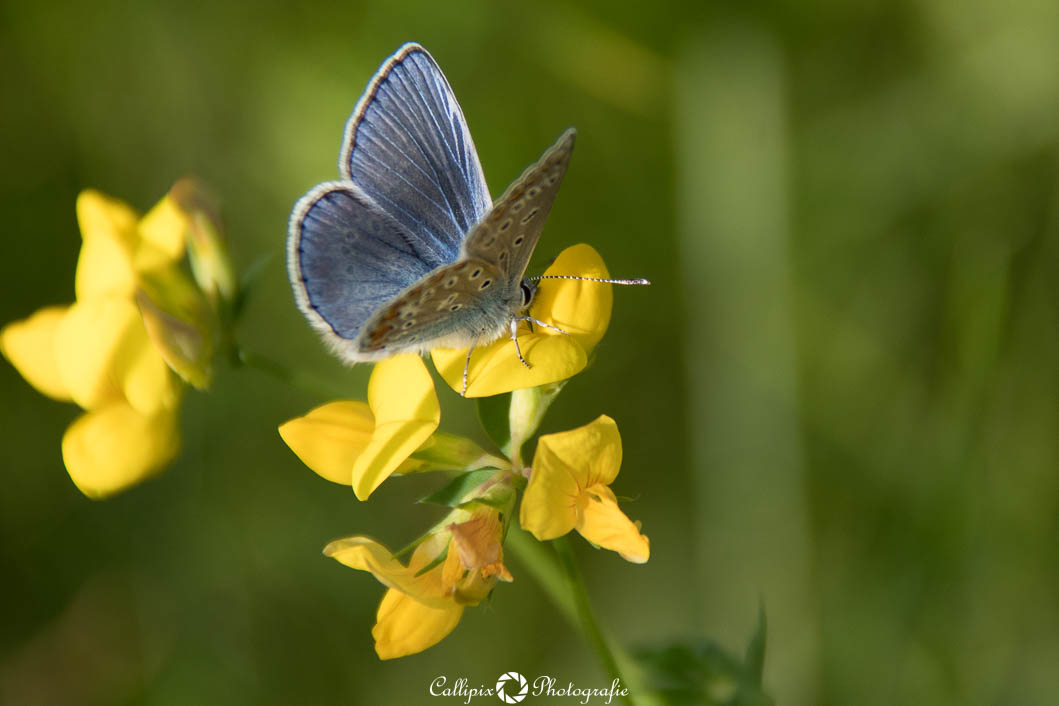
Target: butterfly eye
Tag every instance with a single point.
(527, 295)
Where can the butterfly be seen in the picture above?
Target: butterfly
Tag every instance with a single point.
(407, 252)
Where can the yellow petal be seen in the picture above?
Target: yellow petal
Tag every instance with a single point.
(592, 452)
(603, 524)
(580, 308)
(549, 504)
(114, 447)
(30, 346)
(93, 343)
(365, 554)
(108, 230)
(161, 235)
(147, 382)
(563, 466)
(496, 369)
(404, 626)
(402, 398)
(330, 438)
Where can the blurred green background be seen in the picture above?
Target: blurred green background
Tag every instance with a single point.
(841, 395)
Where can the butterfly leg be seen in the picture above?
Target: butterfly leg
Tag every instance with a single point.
(514, 339)
(467, 366)
(541, 323)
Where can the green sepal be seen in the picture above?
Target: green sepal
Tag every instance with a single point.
(436, 561)
(494, 415)
(448, 452)
(452, 494)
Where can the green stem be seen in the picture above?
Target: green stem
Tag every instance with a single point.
(557, 573)
(589, 626)
(281, 372)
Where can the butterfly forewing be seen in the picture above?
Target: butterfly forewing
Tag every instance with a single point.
(452, 305)
(509, 232)
(407, 146)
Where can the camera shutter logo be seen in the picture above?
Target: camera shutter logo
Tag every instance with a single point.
(511, 687)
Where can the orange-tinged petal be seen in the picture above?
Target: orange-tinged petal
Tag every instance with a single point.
(404, 626)
(93, 342)
(108, 230)
(402, 398)
(496, 369)
(330, 438)
(30, 346)
(605, 525)
(111, 448)
(365, 554)
(580, 308)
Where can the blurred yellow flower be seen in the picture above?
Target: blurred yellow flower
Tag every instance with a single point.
(455, 566)
(580, 308)
(569, 489)
(360, 444)
(98, 353)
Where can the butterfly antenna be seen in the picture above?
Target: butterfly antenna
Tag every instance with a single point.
(591, 279)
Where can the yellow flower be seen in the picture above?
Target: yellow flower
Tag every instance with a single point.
(455, 566)
(569, 489)
(97, 352)
(580, 308)
(360, 444)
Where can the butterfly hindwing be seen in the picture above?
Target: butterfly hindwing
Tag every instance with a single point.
(452, 306)
(408, 147)
(346, 258)
(509, 232)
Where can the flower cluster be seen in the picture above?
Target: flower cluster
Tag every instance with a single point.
(137, 319)
(566, 487)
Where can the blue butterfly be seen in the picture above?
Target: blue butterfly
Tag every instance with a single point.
(406, 252)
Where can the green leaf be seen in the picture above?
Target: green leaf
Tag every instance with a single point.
(699, 672)
(494, 414)
(755, 649)
(448, 452)
(437, 560)
(454, 492)
(250, 278)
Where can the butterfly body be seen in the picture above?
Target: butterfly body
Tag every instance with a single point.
(406, 252)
